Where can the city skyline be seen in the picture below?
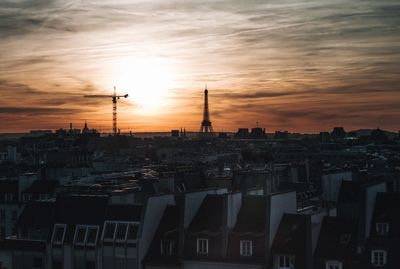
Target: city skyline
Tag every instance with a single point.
(301, 66)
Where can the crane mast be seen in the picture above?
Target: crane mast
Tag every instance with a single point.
(114, 99)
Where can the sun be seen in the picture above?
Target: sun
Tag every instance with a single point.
(147, 81)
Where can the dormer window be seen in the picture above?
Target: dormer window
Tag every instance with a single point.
(333, 265)
(285, 262)
(246, 248)
(8, 197)
(382, 228)
(58, 233)
(80, 235)
(166, 247)
(91, 235)
(109, 231)
(345, 238)
(133, 229)
(27, 197)
(120, 231)
(86, 235)
(202, 246)
(378, 257)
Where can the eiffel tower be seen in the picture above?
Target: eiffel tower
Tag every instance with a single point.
(206, 127)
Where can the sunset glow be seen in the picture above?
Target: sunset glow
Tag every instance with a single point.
(290, 65)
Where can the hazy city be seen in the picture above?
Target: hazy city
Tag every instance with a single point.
(151, 134)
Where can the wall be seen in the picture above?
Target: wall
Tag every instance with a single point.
(331, 184)
(280, 203)
(153, 211)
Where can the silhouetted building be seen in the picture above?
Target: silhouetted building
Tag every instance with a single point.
(338, 133)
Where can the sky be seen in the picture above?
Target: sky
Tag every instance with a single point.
(299, 65)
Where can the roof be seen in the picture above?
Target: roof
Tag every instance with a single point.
(37, 213)
(80, 209)
(252, 215)
(209, 216)
(8, 186)
(386, 211)
(23, 245)
(291, 236)
(168, 229)
(74, 210)
(331, 242)
(42, 186)
(349, 192)
(124, 212)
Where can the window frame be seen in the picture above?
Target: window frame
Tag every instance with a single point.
(88, 227)
(286, 259)
(169, 244)
(377, 262)
(384, 226)
(199, 246)
(78, 227)
(59, 225)
(104, 231)
(137, 224)
(345, 238)
(116, 231)
(246, 248)
(328, 264)
(125, 239)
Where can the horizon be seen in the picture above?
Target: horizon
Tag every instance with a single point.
(300, 66)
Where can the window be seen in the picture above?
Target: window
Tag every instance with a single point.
(2, 216)
(58, 233)
(121, 231)
(166, 247)
(80, 235)
(284, 262)
(202, 246)
(43, 196)
(382, 228)
(345, 238)
(378, 257)
(27, 197)
(246, 248)
(8, 197)
(133, 231)
(108, 234)
(91, 235)
(333, 265)
(14, 216)
(86, 235)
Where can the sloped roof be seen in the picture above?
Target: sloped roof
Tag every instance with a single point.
(37, 213)
(291, 236)
(79, 209)
(8, 186)
(209, 216)
(124, 212)
(167, 230)
(387, 210)
(330, 244)
(252, 215)
(42, 186)
(349, 192)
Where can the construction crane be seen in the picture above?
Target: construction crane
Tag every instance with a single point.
(114, 99)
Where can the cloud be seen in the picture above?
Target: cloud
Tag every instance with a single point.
(299, 63)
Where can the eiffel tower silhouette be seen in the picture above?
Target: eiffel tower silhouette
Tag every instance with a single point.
(206, 127)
